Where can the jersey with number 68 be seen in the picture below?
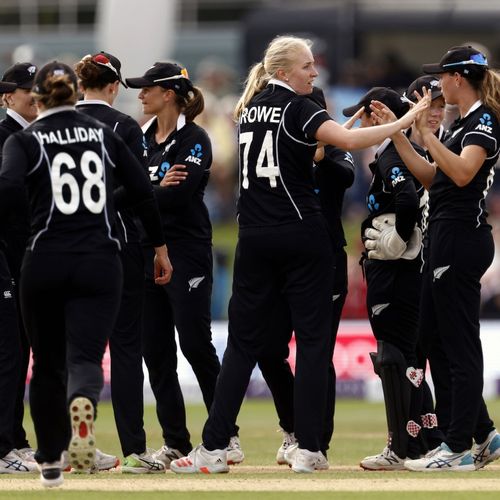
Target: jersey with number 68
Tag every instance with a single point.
(67, 160)
(276, 150)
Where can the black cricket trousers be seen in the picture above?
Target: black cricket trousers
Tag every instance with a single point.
(125, 345)
(69, 303)
(10, 358)
(184, 303)
(276, 370)
(295, 260)
(458, 256)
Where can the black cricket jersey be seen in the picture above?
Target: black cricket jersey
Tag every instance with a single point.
(14, 226)
(276, 150)
(67, 160)
(448, 201)
(394, 189)
(131, 133)
(183, 211)
(332, 176)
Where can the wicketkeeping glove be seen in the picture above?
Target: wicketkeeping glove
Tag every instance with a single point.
(382, 240)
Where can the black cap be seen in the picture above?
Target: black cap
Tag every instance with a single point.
(109, 64)
(166, 75)
(463, 59)
(386, 95)
(22, 74)
(6, 87)
(429, 82)
(54, 68)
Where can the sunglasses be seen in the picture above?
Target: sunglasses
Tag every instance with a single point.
(102, 60)
(477, 59)
(184, 74)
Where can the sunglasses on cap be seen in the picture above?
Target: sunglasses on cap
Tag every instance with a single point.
(102, 60)
(477, 59)
(184, 74)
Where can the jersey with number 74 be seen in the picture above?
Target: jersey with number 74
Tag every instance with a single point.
(276, 149)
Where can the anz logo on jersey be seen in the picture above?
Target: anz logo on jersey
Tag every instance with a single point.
(196, 154)
(485, 123)
(157, 172)
(396, 176)
(372, 204)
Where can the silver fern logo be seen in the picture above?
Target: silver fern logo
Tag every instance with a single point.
(195, 282)
(439, 271)
(335, 297)
(378, 308)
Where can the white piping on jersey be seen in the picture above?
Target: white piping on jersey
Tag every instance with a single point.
(104, 153)
(275, 81)
(19, 119)
(119, 215)
(116, 126)
(44, 155)
(307, 122)
(486, 135)
(282, 124)
(489, 183)
(292, 137)
(93, 101)
(41, 155)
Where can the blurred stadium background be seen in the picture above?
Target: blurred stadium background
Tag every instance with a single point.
(358, 44)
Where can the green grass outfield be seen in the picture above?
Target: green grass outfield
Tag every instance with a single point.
(360, 431)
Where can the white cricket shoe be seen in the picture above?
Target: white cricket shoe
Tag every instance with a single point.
(165, 455)
(12, 463)
(305, 461)
(201, 461)
(442, 459)
(26, 454)
(288, 440)
(387, 460)
(51, 474)
(486, 452)
(82, 449)
(142, 463)
(104, 461)
(235, 454)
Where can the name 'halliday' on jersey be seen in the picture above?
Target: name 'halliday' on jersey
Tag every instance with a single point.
(70, 136)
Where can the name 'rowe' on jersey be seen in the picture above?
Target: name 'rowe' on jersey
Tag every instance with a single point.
(276, 150)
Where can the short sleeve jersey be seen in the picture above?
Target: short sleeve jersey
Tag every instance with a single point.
(67, 160)
(448, 201)
(276, 149)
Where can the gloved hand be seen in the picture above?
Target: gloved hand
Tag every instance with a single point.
(414, 245)
(382, 240)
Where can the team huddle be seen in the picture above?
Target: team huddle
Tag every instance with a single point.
(106, 238)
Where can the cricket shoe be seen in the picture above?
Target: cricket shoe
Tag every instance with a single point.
(142, 463)
(166, 455)
(82, 450)
(387, 460)
(442, 459)
(26, 455)
(486, 452)
(235, 454)
(104, 461)
(12, 463)
(305, 461)
(51, 474)
(288, 440)
(201, 461)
